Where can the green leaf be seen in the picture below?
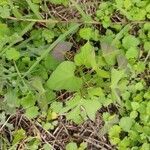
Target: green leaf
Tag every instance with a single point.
(114, 134)
(147, 46)
(64, 2)
(12, 54)
(116, 76)
(86, 33)
(124, 144)
(28, 101)
(36, 1)
(18, 136)
(133, 114)
(145, 146)
(86, 56)
(89, 33)
(139, 86)
(47, 147)
(48, 35)
(102, 73)
(135, 105)
(79, 106)
(83, 146)
(56, 106)
(11, 99)
(32, 112)
(132, 52)
(63, 78)
(146, 27)
(130, 41)
(126, 123)
(3, 2)
(96, 91)
(36, 82)
(71, 146)
(109, 53)
(91, 111)
(51, 63)
(127, 4)
(4, 30)
(4, 11)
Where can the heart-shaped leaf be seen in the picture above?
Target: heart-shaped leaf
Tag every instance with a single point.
(63, 78)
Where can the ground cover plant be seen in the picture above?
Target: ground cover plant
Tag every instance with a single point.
(75, 74)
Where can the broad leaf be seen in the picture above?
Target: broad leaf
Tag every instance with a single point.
(63, 78)
(109, 53)
(116, 76)
(12, 54)
(89, 34)
(132, 52)
(130, 41)
(60, 50)
(86, 56)
(71, 146)
(126, 123)
(32, 112)
(78, 108)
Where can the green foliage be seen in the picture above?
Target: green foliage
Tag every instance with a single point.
(32, 112)
(130, 41)
(64, 2)
(49, 72)
(86, 56)
(63, 78)
(89, 34)
(18, 135)
(81, 108)
(71, 146)
(12, 54)
(126, 123)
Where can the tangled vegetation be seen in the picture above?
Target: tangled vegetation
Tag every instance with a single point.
(75, 74)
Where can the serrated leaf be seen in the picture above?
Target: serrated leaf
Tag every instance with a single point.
(88, 33)
(109, 53)
(79, 106)
(116, 76)
(4, 11)
(48, 35)
(63, 78)
(32, 112)
(36, 82)
(86, 56)
(71, 146)
(126, 123)
(122, 61)
(18, 136)
(130, 41)
(64, 2)
(28, 101)
(132, 52)
(91, 111)
(12, 54)
(114, 134)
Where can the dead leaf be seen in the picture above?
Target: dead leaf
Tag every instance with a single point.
(60, 50)
(122, 61)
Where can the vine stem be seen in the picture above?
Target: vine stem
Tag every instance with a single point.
(53, 21)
